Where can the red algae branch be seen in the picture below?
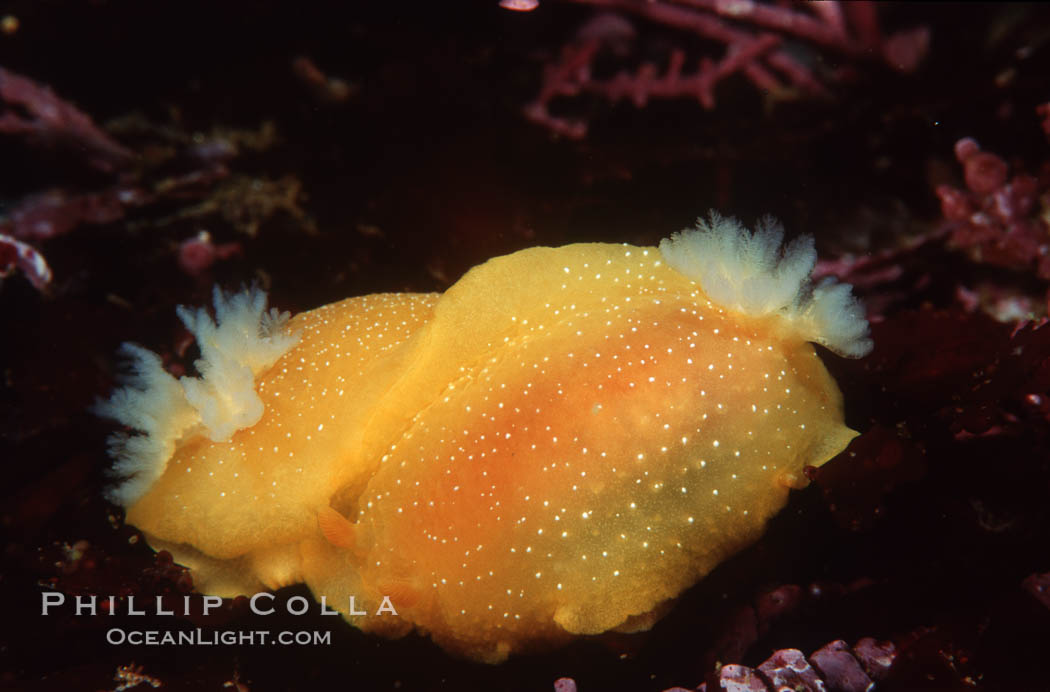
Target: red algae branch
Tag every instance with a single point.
(754, 36)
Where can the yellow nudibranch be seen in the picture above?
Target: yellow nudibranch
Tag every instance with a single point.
(558, 445)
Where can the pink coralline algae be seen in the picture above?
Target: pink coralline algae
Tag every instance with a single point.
(998, 218)
(519, 5)
(56, 212)
(14, 254)
(754, 36)
(564, 685)
(35, 111)
(1001, 219)
(172, 166)
(834, 667)
(197, 254)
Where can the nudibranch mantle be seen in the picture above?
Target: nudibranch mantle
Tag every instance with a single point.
(560, 444)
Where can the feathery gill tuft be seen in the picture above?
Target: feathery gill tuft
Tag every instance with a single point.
(241, 342)
(752, 273)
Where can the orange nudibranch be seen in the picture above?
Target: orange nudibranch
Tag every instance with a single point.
(558, 445)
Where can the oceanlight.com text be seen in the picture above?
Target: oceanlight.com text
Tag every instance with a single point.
(201, 637)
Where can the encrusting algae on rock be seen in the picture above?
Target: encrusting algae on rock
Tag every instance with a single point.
(558, 445)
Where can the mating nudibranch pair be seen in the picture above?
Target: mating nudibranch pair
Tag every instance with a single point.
(559, 444)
